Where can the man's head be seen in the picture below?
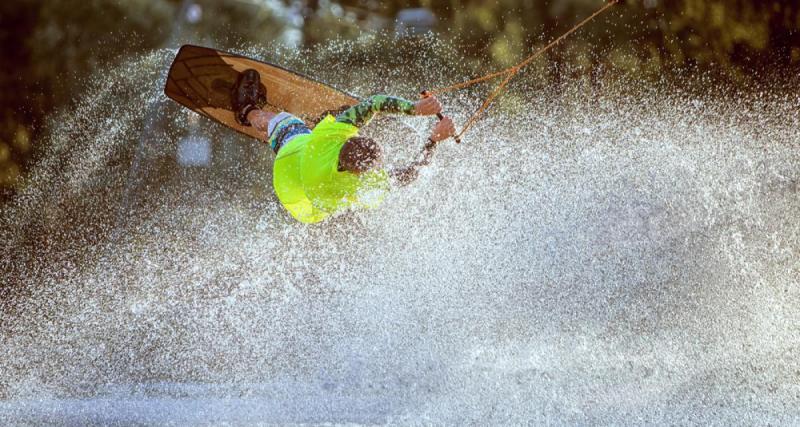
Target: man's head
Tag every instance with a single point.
(359, 155)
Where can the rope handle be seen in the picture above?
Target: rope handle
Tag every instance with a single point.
(440, 116)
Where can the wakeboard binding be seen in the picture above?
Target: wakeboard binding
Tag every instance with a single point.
(248, 94)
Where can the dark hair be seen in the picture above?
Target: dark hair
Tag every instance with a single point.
(360, 154)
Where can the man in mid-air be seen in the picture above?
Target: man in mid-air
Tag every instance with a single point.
(319, 172)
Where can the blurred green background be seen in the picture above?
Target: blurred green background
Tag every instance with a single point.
(50, 47)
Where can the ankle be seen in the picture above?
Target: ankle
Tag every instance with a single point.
(258, 119)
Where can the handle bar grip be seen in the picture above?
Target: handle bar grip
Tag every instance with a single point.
(440, 116)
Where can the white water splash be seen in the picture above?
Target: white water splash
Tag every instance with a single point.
(588, 259)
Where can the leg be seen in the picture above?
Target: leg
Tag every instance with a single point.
(259, 119)
(280, 128)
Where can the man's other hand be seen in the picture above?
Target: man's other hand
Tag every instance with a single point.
(427, 106)
(443, 130)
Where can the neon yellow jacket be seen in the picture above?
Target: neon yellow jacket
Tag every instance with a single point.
(307, 180)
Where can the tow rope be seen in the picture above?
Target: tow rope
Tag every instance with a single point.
(509, 72)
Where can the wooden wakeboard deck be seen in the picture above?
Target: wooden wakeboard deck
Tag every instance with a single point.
(201, 79)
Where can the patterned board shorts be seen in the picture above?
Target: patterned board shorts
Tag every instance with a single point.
(282, 128)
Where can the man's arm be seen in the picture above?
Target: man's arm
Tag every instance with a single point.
(406, 175)
(361, 113)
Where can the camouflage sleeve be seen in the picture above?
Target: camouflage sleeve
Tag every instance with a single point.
(361, 113)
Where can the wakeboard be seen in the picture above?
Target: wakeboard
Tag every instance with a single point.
(202, 79)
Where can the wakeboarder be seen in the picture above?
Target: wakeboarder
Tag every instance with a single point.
(329, 169)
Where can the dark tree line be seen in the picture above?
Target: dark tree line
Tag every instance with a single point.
(48, 47)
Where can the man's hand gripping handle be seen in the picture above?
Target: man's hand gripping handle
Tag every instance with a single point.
(426, 94)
